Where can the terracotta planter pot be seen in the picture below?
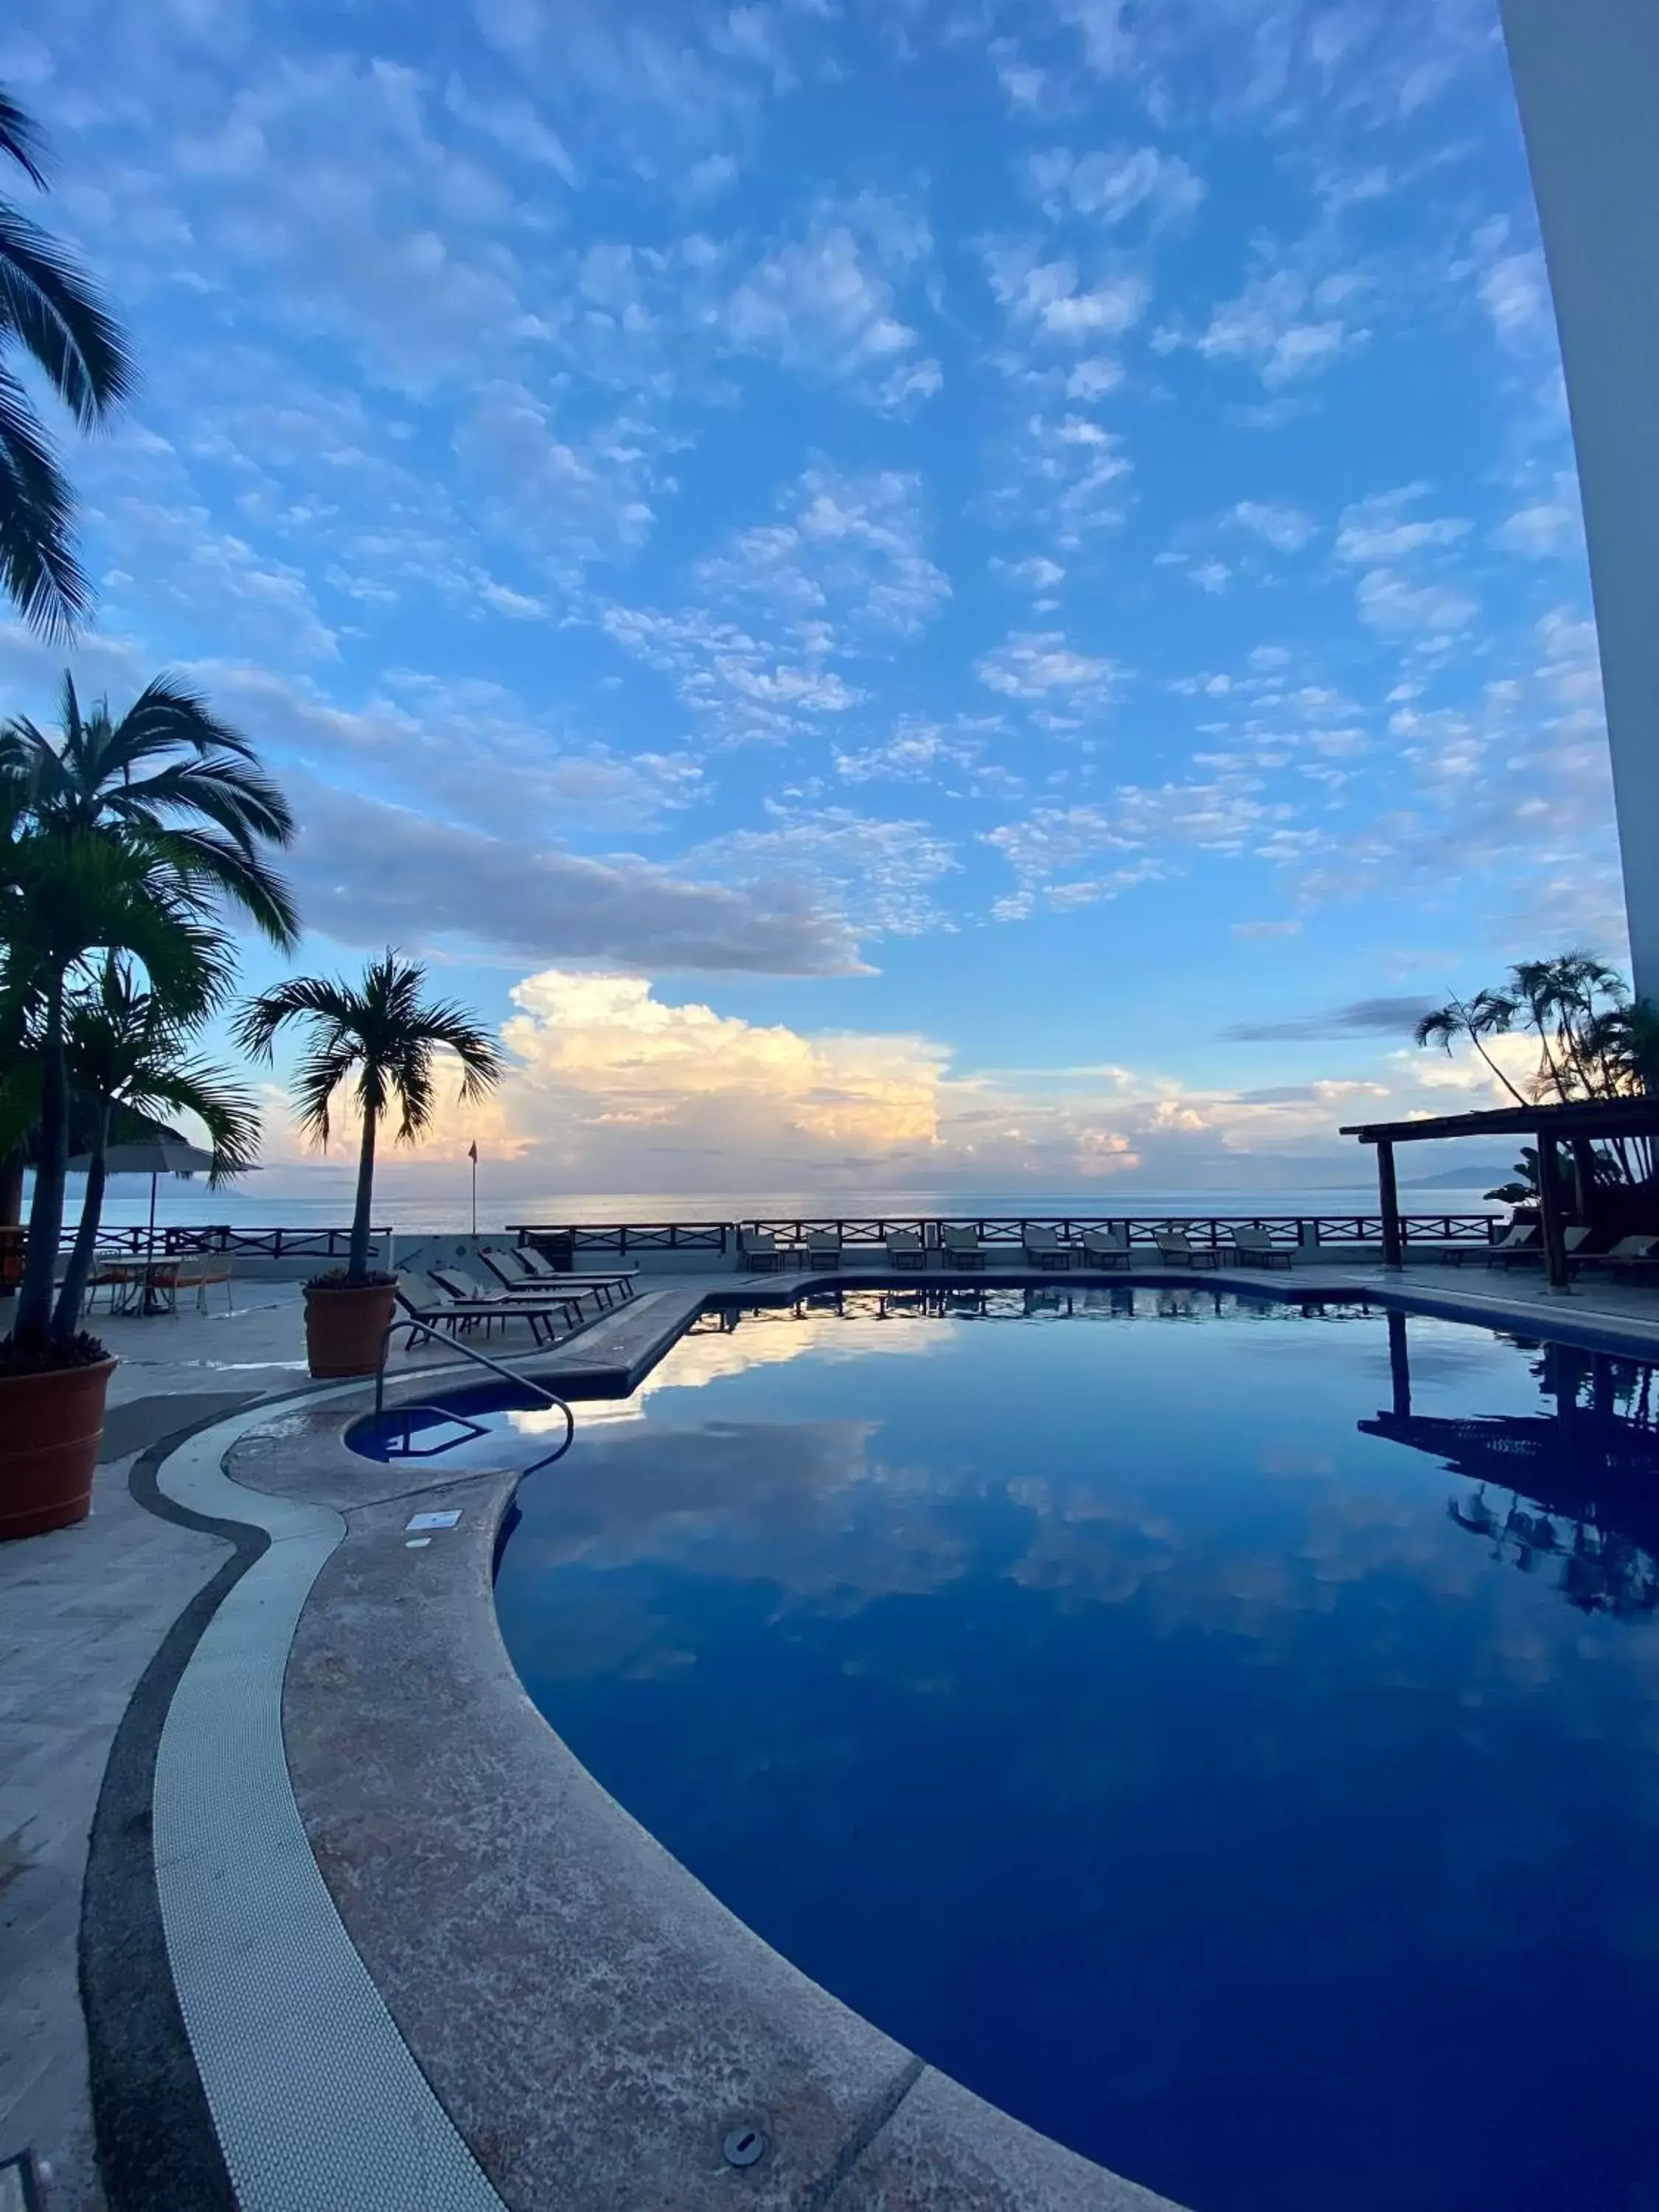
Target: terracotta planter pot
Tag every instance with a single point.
(345, 1325)
(51, 1427)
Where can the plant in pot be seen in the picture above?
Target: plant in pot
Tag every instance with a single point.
(381, 1037)
(119, 837)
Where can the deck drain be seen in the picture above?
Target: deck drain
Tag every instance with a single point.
(743, 2146)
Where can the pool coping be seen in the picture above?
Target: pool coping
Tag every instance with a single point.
(602, 2064)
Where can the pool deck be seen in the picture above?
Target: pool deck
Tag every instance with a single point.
(435, 1820)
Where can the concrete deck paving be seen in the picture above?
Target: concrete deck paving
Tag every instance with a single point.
(83, 1613)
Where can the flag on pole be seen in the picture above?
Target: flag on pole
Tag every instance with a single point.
(472, 1151)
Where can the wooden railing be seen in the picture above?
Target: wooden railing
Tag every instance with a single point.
(872, 1230)
(131, 1240)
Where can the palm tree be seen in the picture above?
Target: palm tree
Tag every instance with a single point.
(383, 1034)
(170, 774)
(49, 312)
(126, 1051)
(1489, 1014)
(69, 899)
(130, 836)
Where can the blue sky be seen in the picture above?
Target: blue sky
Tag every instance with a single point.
(881, 582)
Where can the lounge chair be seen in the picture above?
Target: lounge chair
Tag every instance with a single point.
(435, 1306)
(1627, 1254)
(1176, 1249)
(1520, 1239)
(507, 1305)
(961, 1246)
(611, 1283)
(823, 1251)
(905, 1251)
(759, 1251)
(1105, 1248)
(1256, 1248)
(1044, 1249)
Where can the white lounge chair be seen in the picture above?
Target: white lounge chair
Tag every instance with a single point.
(439, 1308)
(905, 1251)
(510, 1305)
(961, 1246)
(1105, 1248)
(1044, 1249)
(1627, 1254)
(1176, 1249)
(611, 1283)
(1521, 1237)
(1256, 1248)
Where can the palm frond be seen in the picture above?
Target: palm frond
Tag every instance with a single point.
(20, 140)
(39, 570)
(49, 307)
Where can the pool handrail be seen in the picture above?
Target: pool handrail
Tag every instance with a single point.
(468, 1351)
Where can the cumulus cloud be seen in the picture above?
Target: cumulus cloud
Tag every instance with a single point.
(1109, 184)
(1040, 663)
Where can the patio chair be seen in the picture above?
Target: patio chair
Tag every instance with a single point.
(610, 1284)
(823, 1250)
(195, 1274)
(1044, 1249)
(905, 1251)
(1626, 1256)
(1256, 1248)
(1105, 1248)
(1176, 1249)
(1520, 1239)
(759, 1251)
(961, 1246)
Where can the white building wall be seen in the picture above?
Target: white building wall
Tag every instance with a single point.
(1587, 77)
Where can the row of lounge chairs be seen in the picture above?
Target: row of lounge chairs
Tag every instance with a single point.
(822, 1252)
(1523, 1246)
(524, 1287)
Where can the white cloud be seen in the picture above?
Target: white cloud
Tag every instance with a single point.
(1515, 292)
(1035, 664)
(1110, 184)
(1544, 529)
(1285, 327)
(1286, 528)
(825, 304)
(1389, 602)
(883, 872)
(851, 546)
(1047, 297)
(1383, 529)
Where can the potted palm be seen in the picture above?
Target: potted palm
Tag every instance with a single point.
(380, 1037)
(124, 837)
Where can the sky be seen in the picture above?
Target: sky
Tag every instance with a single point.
(902, 593)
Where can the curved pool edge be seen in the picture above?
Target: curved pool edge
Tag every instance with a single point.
(592, 2019)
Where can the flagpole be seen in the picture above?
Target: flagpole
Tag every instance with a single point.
(475, 1189)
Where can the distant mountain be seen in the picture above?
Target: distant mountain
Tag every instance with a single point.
(1468, 1175)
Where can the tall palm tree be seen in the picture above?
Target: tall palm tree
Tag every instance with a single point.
(49, 312)
(169, 773)
(383, 1034)
(1489, 1014)
(133, 836)
(126, 1049)
(69, 899)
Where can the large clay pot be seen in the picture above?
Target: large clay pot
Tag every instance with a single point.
(346, 1325)
(51, 1427)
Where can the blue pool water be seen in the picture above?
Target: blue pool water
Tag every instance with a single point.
(1223, 1734)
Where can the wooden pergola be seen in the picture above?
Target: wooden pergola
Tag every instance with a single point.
(1578, 1125)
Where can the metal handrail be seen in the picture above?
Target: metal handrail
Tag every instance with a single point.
(479, 1358)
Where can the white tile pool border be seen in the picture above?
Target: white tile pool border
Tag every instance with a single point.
(317, 2102)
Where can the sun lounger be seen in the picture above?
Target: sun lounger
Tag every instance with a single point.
(438, 1309)
(466, 1290)
(759, 1251)
(1521, 1240)
(1256, 1248)
(1044, 1249)
(823, 1251)
(1627, 1254)
(961, 1247)
(1176, 1249)
(611, 1284)
(905, 1251)
(1105, 1248)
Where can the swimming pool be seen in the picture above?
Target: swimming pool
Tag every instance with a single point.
(1221, 1733)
